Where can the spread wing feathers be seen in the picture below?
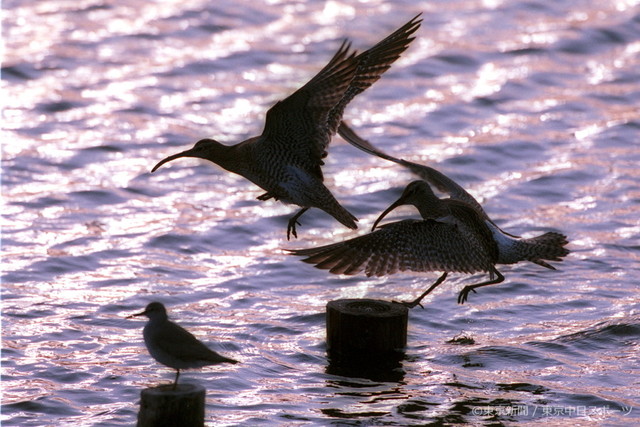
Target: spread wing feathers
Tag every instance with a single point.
(302, 124)
(181, 344)
(442, 182)
(413, 245)
(293, 125)
(372, 64)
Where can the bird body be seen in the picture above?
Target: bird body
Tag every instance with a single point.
(454, 235)
(286, 159)
(512, 249)
(172, 345)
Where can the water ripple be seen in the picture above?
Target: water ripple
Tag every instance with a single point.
(531, 106)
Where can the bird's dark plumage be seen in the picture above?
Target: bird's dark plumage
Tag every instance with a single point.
(286, 159)
(174, 346)
(454, 235)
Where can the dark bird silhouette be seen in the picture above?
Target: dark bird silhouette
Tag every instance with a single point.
(174, 346)
(286, 159)
(454, 235)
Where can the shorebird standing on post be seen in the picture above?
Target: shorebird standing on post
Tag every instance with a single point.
(174, 346)
(454, 235)
(286, 159)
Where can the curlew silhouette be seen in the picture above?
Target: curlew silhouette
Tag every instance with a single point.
(286, 159)
(454, 235)
(174, 346)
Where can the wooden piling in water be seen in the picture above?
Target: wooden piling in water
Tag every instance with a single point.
(164, 406)
(365, 328)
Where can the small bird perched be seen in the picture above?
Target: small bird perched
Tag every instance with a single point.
(455, 234)
(172, 345)
(286, 159)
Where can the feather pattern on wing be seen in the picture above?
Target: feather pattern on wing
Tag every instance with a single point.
(301, 126)
(414, 245)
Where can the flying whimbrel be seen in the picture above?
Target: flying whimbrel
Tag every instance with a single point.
(172, 345)
(454, 235)
(286, 159)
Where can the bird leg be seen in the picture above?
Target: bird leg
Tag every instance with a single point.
(291, 228)
(175, 382)
(464, 293)
(415, 302)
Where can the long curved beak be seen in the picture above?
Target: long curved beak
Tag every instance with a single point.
(187, 153)
(397, 203)
(137, 314)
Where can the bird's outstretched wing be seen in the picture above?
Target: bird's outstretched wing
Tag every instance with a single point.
(436, 178)
(301, 125)
(372, 64)
(415, 245)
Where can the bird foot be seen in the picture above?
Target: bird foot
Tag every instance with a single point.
(265, 196)
(464, 294)
(291, 228)
(409, 304)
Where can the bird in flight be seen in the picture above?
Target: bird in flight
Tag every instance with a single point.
(286, 159)
(454, 235)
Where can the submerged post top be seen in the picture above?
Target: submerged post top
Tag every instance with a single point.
(368, 307)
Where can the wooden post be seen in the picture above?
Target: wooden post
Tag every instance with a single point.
(365, 328)
(163, 406)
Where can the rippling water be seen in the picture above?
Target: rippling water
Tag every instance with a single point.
(532, 106)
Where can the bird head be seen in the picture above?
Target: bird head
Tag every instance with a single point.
(414, 194)
(203, 149)
(154, 310)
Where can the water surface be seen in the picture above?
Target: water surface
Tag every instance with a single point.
(532, 106)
